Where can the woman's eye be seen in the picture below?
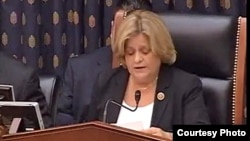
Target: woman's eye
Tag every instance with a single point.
(129, 52)
(145, 51)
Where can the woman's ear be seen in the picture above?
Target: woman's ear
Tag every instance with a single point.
(112, 30)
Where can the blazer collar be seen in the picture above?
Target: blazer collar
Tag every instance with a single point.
(162, 89)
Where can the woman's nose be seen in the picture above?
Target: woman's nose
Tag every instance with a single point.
(138, 58)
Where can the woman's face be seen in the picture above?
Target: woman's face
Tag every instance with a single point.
(142, 63)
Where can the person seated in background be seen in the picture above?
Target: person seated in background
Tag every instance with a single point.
(169, 95)
(82, 70)
(25, 82)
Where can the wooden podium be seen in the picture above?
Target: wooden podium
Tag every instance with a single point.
(92, 131)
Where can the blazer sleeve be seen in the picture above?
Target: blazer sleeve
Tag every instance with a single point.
(195, 111)
(65, 111)
(32, 92)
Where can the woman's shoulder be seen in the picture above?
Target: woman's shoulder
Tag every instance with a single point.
(181, 76)
(182, 82)
(179, 71)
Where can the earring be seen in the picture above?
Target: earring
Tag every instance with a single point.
(124, 14)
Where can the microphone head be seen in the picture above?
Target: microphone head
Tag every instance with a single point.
(137, 96)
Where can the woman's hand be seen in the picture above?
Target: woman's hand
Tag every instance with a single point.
(158, 132)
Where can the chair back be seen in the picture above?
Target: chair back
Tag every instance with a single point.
(214, 48)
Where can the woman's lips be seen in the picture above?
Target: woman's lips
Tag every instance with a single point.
(139, 68)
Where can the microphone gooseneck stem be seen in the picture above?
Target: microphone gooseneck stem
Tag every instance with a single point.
(132, 110)
(105, 111)
(137, 99)
(104, 119)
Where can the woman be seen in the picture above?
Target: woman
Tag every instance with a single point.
(168, 95)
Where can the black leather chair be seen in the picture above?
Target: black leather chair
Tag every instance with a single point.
(210, 46)
(50, 86)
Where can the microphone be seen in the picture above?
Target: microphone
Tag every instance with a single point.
(137, 99)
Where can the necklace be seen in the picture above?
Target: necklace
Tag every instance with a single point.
(148, 86)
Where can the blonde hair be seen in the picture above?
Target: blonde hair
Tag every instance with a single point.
(151, 25)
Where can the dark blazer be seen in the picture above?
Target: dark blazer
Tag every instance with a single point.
(25, 81)
(183, 102)
(79, 77)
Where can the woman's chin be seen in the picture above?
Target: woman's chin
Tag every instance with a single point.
(142, 77)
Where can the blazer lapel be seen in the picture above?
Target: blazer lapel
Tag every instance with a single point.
(118, 91)
(161, 94)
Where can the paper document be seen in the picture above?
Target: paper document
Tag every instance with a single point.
(138, 126)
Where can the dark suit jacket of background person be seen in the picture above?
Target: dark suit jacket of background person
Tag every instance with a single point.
(26, 84)
(78, 84)
(183, 102)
